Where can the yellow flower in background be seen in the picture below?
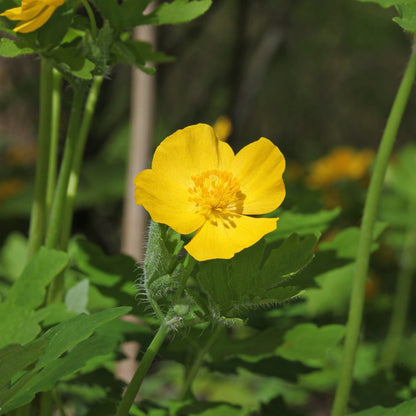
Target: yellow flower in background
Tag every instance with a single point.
(197, 183)
(343, 163)
(32, 14)
(223, 128)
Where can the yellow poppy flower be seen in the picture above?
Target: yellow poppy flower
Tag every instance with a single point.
(197, 183)
(32, 14)
(343, 163)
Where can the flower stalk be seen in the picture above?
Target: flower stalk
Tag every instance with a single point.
(57, 211)
(199, 358)
(38, 215)
(53, 235)
(366, 236)
(401, 300)
(142, 369)
(77, 160)
(54, 137)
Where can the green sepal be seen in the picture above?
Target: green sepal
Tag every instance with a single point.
(161, 252)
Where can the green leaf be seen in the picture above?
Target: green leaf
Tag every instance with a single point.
(15, 358)
(29, 289)
(76, 299)
(179, 11)
(345, 243)
(406, 9)
(302, 224)
(54, 30)
(98, 49)
(18, 318)
(11, 255)
(241, 283)
(401, 178)
(71, 58)
(138, 53)
(46, 378)
(309, 344)
(403, 409)
(11, 48)
(387, 3)
(407, 19)
(124, 15)
(71, 332)
(73, 335)
(113, 276)
(333, 293)
(333, 270)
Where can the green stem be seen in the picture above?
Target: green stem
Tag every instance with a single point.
(193, 371)
(22, 411)
(53, 235)
(38, 215)
(401, 301)
(77, 160)
(58, 402)
(364, 245)
(91, 16)
(46, 404)
(142, 369)
(57, 211)
(53, 154)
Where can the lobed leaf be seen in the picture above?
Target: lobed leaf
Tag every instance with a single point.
(10, 48)
(301, 223)
(73, 335)
(19, 322)
(258, 276)
(309, 344)
(406, 9)
(179, 11)
(406, 408)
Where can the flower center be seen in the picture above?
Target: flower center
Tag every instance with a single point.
(216, 192)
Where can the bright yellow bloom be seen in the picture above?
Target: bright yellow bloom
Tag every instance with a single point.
(223, 128)
(196, 183)
(342, 163)
(32, 14)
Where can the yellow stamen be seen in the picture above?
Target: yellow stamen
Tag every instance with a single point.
(216, 192)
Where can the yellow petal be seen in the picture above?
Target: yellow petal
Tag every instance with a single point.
(20, 13)
(36, 23)
(167, 201)
(189, 152)
(259, 167)
(228, 236)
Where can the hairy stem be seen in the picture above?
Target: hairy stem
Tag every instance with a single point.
(364, 245)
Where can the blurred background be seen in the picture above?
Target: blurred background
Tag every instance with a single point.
(310, 76)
